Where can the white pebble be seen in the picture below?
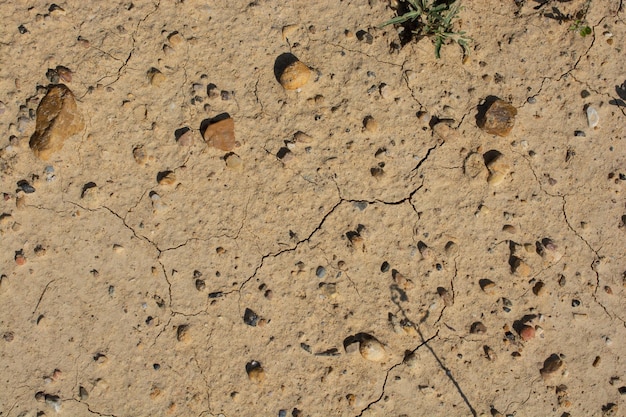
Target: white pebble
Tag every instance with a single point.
(372, 350)
(592, 117)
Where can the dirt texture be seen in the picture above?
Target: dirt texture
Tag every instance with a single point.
(357, 246)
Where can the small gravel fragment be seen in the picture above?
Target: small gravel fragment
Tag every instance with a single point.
(539, 288)
(234, 162)
(551, 365)
(255, 372)
(592, 117)
(26, 187)
(372, 350)
(320, 272)
(527, 332)
(82, 393)
(250, 317)
(182, 333)
(478, 328)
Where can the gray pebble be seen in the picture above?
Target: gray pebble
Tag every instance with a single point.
(320, 272)
(361, 205)
(531, 100)
(26, 187)
(250, 317)
(53, 401)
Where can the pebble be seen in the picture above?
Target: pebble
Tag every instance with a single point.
(539, 288)
(320, 272)
(329, 289)
(509, 228)
(250, 317)
(64, 73)
(175, 39)
(200, 284)
(58, 118)
(446, 296)
(487, 286)
(411, 360)
(155, 77)
(186, 139)
(20, 259)
(157, 204)
(372, 350)
(401, 280)
(182, 333)
(499, 168)
(53, 401)
(295, 76)
(370, 124)
(499, 118)
(361, 205)
(451, 248)
(551, 365)
(301, 137)
(490, 353)
(221, 135)
(166, 178)
(234, 162)
(288, 30)
(255, 372)
(364, 36)
(24, 124)
(226, 95)
(474, 166)
(385, 267)
(49, 171)
(26, 187)
(478, 328)
(521, 268)
(82, 393)
(140, 156)
(592, 117)
(377, 172)
(527, 332)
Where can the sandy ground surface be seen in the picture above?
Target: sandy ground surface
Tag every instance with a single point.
(251, 289)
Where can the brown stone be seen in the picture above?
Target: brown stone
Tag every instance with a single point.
(551, 365)
(478, 328)
(58, 118)
(499, 118)
(221, 135)
(527, 333)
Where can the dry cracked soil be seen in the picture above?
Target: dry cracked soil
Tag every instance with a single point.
(361, 247)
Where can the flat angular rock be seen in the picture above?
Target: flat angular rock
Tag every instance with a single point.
(499, 118)
(221, 135)
(58, 118)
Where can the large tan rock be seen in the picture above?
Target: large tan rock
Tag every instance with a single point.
(221, 135)
(58, 118)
